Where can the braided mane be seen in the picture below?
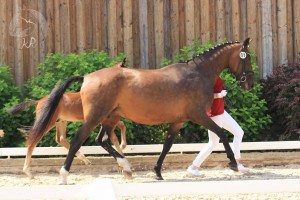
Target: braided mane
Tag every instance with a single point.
(211, 51)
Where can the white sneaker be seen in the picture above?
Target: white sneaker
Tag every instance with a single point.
(242, 168)
(193, 172)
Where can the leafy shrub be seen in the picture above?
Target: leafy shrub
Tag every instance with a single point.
(282, 93)
(9, 95)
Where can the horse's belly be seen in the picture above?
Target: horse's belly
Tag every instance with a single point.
(153, 115)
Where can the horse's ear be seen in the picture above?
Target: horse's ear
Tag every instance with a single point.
(123, 62)
(246, 43)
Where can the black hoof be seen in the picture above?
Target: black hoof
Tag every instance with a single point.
(233, 166)
(159, 178)
(158, 174)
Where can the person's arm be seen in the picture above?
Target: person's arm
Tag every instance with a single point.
(222, 94)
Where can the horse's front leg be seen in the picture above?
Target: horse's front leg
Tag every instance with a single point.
(172, 131)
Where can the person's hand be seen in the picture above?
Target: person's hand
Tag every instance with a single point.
(223, 93)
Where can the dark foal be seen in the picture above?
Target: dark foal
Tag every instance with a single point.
(173, 94)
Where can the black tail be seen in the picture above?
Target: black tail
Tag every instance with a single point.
(21, 107)
(43, 120)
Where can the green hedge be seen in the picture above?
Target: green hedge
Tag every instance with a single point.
(246, 106)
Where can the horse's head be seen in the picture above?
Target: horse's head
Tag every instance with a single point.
(240, 65)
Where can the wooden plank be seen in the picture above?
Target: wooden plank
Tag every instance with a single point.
(112, 24)
(228, 19)
(103, 39)
(80, 25)
(236, 20)
(297, 31)
(88, 23)
(212, 20)
(143, 33)
(159, 32)
(267, 38)
(274, 33)
(220, 12)
(136, 37)
(152, 148)
(42, 31)
(174, 23)
(57, 33)
(151, 34)
(18, 43)
(167, 29)
(282, 32)
(197, 20)
(10, 38)
(189, 22)
(34, 36)
(72, 21)
(128, 31)
(259, 39)
(120, 27)
(251, 25)
(50, 26)
(244, 21)
(290, 49)
(206, 22)
(29, 24)
(3, 33)
(181, 20)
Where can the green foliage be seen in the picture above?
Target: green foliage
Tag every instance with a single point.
(9, 95)
(282, 92)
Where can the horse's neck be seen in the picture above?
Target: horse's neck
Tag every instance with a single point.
(214, 65)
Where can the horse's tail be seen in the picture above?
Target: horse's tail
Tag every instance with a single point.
(21, 107)
(42, 122)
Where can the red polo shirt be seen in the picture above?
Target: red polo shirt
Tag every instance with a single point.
(217, 107)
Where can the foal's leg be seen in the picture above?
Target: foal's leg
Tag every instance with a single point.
(173, 130)
(101, 139)
(30, 148)
(122, 127)
(203, 119)
(61, 128)
(114, 139)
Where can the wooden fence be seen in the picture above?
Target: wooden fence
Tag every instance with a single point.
(145, 30)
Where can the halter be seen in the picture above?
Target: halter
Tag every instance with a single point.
(243, 76)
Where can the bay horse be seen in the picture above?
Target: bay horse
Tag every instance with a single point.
(173, 94)
(69, 109)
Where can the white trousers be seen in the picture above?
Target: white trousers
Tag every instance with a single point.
(227, 122)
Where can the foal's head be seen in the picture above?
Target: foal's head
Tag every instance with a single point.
(240, 65)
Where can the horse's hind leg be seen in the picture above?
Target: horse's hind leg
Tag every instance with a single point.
(173, 130)
(61, 138)
(30, 148)
(107, 129)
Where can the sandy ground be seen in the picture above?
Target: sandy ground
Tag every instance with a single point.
(212, 174)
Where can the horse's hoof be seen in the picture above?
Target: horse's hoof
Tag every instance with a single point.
(159, 178)
(127, 174)
(233, 166)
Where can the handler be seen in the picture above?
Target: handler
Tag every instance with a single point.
(224, 120)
